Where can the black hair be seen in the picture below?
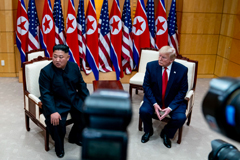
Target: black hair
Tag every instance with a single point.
(61, 47)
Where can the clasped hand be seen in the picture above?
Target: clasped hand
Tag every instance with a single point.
(55, 117)
(158, 109)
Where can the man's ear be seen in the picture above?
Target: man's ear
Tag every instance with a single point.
(68, 57)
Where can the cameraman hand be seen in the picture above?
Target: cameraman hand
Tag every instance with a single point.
(55, 118)
(166, 112)
(157, 110)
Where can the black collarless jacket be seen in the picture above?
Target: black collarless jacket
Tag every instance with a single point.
(62, 89)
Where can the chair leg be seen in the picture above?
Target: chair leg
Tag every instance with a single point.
(130, 91)
(140, 124)
(46, 139)
(189, 119)
(27, 122)
(179, 135)
(136, 91)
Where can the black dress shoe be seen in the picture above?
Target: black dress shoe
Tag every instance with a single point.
(60, 154)
(79, 143)
(166, 140)
(146, 137)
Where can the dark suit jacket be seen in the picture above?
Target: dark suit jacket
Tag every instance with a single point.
(61, 89)
(176, 88)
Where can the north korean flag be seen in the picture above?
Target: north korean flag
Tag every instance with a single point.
(92, 39)
(72, 34)
(22, 29)
(47, 31)
(141, 37)
(161, 26)
(116, 39)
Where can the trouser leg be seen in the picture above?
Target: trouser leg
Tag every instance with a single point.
(146, 111)
(177, 121)
(57, 132)
(75, 134)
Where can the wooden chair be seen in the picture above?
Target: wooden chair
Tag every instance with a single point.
(189, 98)
(147, 55)
(34, 54)
(32, 103)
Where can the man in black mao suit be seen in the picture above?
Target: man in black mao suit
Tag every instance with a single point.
(62, 91)
(172, 103)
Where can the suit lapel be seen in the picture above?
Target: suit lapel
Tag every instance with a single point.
(171, 78)
(159, 78)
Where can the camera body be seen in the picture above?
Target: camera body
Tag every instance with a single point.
(221, 109)
(107, 113)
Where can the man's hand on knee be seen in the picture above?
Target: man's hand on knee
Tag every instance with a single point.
(55, 117)
(166, 112)
(157, 110)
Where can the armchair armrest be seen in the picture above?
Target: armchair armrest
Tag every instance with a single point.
(189, 95)
(35, 105)
(190, 100)
(35, 99)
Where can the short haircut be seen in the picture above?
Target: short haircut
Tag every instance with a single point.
(169, 50)
(61, 47)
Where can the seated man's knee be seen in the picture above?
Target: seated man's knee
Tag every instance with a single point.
(182, 117)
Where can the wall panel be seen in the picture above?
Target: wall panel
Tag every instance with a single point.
(198, 44)
(227, 25)
(236, 31)
(6, 5)
(9, 63)
(206, 63)
(231, 7)
(235, 52)
(206, 6)
(6, 41)
(6, 20)
(233, 69)
(201, 23)
(221, 66)
(224, 46)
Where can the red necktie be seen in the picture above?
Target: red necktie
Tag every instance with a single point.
(164, 85)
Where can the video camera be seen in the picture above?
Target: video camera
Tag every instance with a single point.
(107, 113)
(221, 109)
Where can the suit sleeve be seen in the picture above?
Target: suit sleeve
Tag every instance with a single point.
(179, 98)
(82, 86)
(147, 86)
(45, 91)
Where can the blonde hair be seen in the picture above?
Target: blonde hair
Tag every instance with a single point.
(168, 50)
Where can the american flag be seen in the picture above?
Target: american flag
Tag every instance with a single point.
(59, 23)
(127, 48)
(151, 22)
(172, 27)
(104, 39)
(82, 37)
(33, 34)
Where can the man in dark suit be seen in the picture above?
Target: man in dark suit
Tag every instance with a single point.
(165, 86)
(63, 90)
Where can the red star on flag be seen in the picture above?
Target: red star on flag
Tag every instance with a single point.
(69, 23)
(114, 25)
(46, 23)
(91, 24)
(21, 25)
(138, 25)
(160, 25)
